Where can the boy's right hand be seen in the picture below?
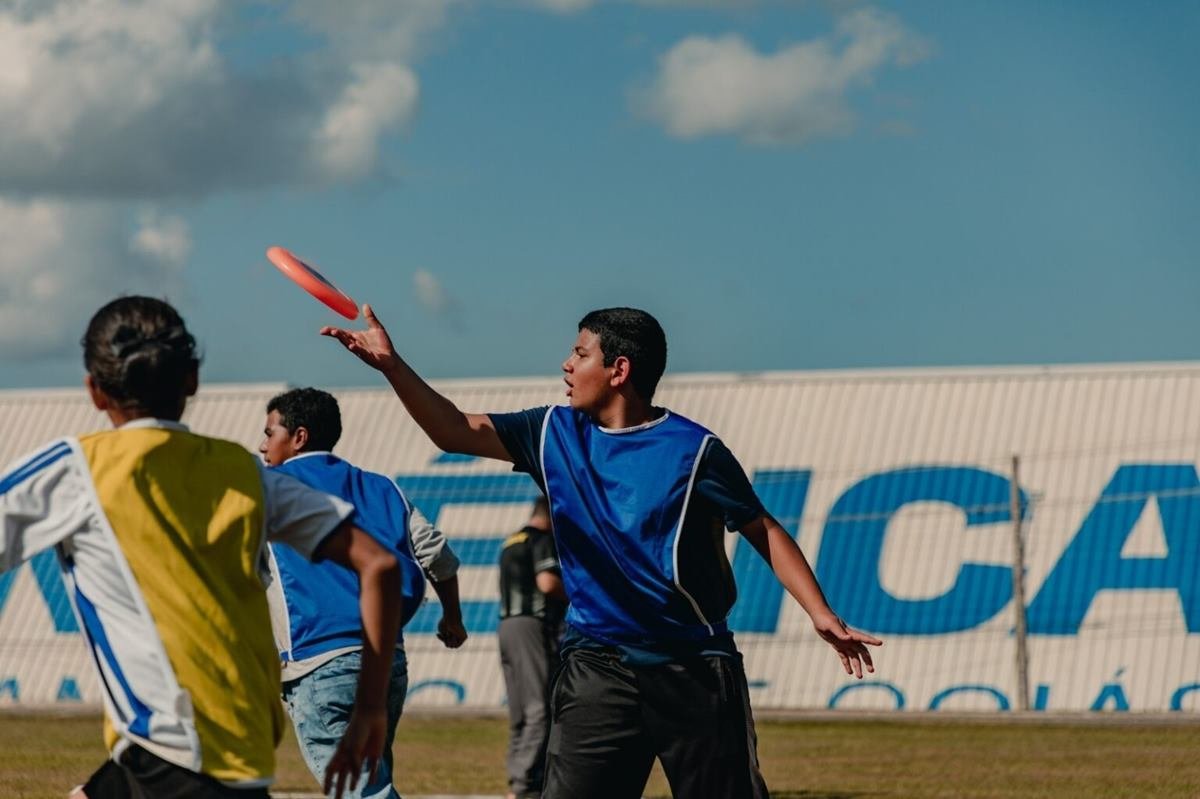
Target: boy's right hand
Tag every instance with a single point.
(451, 632)
(373, 346)
(361, 746)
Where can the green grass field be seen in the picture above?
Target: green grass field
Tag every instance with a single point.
(816, 759)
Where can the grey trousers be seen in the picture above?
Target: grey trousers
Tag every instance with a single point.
(528, 655)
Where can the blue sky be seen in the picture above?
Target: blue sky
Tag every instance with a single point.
(786, 185)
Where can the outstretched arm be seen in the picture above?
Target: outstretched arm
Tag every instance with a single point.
(791, 567)
(379, 580)
(448, 427)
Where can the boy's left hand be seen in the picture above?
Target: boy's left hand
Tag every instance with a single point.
(851, 644)
(451, 632)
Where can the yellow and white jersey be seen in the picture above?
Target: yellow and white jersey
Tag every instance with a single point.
(161, 536)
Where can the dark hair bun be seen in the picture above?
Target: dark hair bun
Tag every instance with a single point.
(140, 353)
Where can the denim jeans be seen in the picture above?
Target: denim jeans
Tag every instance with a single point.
(320, 703)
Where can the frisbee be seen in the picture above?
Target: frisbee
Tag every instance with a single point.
(312, 281)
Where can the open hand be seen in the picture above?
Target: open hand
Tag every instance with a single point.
(373, 346)
(361, 746)
(850, 644)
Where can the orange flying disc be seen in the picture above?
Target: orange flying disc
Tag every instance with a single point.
(312, 281)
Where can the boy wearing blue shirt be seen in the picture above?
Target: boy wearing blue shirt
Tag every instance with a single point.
(638, 498)
(313, 606)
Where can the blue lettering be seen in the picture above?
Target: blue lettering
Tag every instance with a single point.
(50, 584)
(1093, 562)
(432, 492)
(942, 696)
(453, 686)
(68, 690)
(897, 696)
(760, 594)
(783, 492)
(11, 687)
(479, 616)
(1111, 692)
(1181, 692)
(848, 567)
(1041, 697)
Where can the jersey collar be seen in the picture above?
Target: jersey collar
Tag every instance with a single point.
(616, 431)
(166, 424)
(313, 454)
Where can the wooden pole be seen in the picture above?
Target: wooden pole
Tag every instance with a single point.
(1018, 578)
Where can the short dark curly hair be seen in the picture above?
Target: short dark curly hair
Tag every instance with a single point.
(313, 409)
(638, 336)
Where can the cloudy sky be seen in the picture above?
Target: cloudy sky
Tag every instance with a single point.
(787, 185)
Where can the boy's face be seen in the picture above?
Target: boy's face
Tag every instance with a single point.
(279, 443)
(589, 381)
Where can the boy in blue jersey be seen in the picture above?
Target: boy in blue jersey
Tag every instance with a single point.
(313, 605)
(638, 497)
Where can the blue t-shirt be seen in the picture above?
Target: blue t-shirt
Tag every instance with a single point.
(639, 517)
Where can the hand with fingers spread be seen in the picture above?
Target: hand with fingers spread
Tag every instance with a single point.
(850, 644)
(373, 346)
(361, 746)
(447, 427)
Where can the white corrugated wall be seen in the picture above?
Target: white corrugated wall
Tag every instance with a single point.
(896, 485)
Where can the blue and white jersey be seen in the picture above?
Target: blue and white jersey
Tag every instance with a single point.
(161, 536)
(638, 518)
(315, 606)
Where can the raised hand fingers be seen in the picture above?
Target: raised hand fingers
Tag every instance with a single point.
(344, 336)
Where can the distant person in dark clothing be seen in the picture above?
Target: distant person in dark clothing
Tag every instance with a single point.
(532, 606)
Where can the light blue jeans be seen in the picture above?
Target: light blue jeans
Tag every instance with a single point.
(320, 703)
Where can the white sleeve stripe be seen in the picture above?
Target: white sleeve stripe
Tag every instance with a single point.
(34, 465)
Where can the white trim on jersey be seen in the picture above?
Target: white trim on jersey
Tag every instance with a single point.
(620, 431)
(542, 463)
(281, 617)
(172, 723)
(679, 530)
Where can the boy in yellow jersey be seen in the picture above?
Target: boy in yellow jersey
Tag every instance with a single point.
(161, 535)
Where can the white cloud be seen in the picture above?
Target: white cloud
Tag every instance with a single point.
(571, 6)
(61, 261)
(376, 30)
(722, 85)
(563, 6)
(431, 294)
(134, 98)
(164, 239)
(381, 97)
(105, 101)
